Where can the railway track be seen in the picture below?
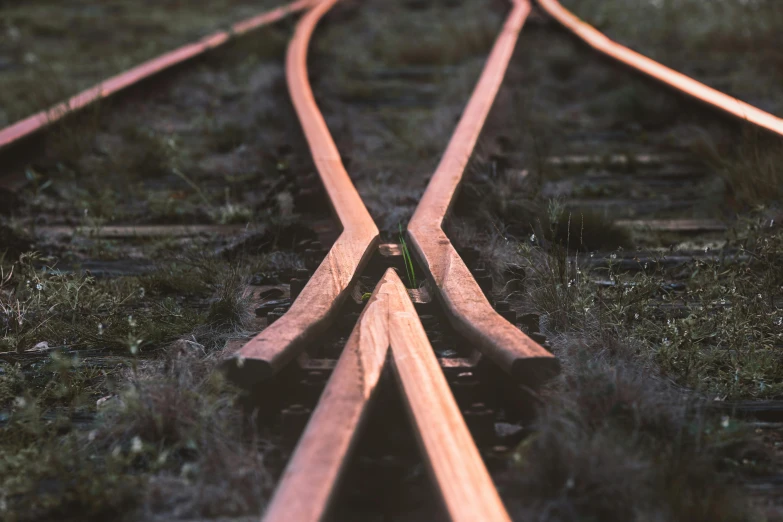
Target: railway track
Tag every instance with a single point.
(388, 329)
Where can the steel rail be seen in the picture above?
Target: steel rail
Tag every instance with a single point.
(468, 309)
(320, 299)
(37, 122)
(388, 322)
(670, 77)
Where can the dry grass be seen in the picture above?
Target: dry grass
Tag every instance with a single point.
(79, 44)
(623, 434)
(614, 443)
(163, 438)
(753, 170)
(700, 37)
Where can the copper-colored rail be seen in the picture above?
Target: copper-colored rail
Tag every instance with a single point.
(679, 81)
(468, 309)
(313, 474)
(33, 124)
(320, 299)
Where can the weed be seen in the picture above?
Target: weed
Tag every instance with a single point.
(230, 307)
(753, 172)
(612, 443)
(406, 256)
(227, 137)
(231, 212)
(147, 153)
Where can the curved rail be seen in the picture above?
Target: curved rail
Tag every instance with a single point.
(468, 309)
(678, 81)
(320, 299)
(32, 124)
(313, 474)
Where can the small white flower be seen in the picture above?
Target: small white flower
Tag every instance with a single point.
(131, 321)
(39, 287)
(724, 421)
(136, 445)
(14, 34)
(134, 347)
(666, 341)
(164, 455)
(636, 316)
(532, 238)
(613, 256)
(100, 328)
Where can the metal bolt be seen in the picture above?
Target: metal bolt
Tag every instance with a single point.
(274, 315)
(464, 387)
(480, 421)
(502, 306)
(484, 279)
(294, 419)
(296, 286)
(530, 323)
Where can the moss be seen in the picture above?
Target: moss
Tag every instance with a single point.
(699, 38)
(55, 479)
(753, 171)
(54, 58)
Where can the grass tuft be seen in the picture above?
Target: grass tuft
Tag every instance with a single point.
(406, 256)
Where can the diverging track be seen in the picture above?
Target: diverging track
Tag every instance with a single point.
(389, 335)
(389, 319)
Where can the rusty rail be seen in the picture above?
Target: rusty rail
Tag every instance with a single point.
(37, 122)
(388, 321)
(670, 77)
(389, 330)
(321, 298)
(468, 309)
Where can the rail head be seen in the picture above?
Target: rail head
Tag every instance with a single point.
(676, 80)
(468, 309)
(35, 123)
(321, 298)
(389, 324)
